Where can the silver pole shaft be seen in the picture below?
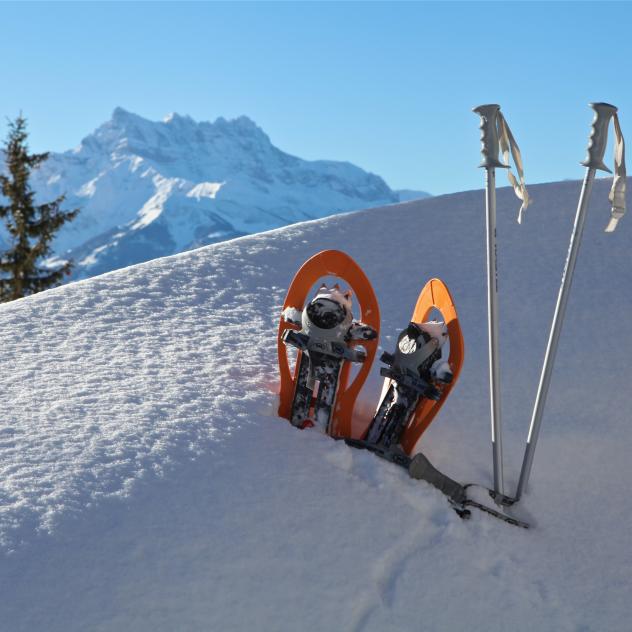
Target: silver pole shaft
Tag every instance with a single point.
(492, 321)
(556, 328)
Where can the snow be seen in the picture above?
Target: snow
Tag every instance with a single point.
(147, 484)
(205, 189)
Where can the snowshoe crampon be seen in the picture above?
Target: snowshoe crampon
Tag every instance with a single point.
(320, 384)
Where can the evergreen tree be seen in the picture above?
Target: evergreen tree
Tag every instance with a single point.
(31, 227)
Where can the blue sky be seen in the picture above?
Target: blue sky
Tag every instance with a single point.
(388, 86)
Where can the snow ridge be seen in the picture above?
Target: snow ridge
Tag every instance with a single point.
(147, 484)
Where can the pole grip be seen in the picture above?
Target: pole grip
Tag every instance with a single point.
(599, 136)
(489, 135)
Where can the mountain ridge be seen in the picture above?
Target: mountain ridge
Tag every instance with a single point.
(154, 188)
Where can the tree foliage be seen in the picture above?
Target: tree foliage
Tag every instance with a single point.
(31, 227)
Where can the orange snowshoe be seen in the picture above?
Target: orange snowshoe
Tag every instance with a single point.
(328, 340)
(418, 380)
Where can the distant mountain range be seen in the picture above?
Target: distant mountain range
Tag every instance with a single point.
(148, 189)
(408, 195)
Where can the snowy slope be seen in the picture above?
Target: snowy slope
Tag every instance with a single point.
(146, 483)
(150, 189)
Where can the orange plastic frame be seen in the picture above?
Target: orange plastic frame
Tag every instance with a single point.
(337, 264)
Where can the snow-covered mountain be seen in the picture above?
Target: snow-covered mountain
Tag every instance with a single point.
(146, 483)
(149, 189)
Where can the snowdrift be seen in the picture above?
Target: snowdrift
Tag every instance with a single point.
(147, 484)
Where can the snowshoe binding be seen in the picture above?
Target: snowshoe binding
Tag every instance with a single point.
(414, 372)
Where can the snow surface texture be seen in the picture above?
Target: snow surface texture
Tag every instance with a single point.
(147, 484)
(149, 189)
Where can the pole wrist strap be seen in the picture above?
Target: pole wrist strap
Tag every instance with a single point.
(617, 192)
(508, 144)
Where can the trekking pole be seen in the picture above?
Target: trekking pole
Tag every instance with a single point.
(593, 161)
(489, 150)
